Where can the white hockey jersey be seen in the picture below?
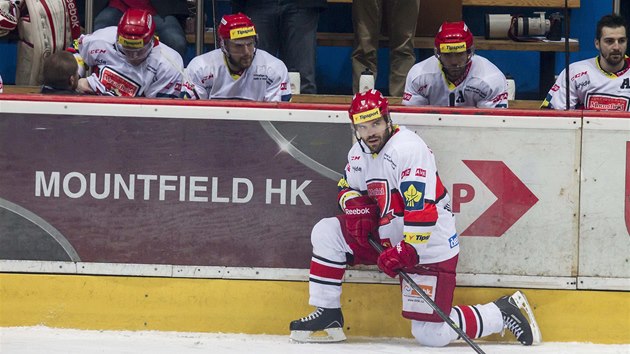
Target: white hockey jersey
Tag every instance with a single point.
(160, 75)
(414, 204)
(484, 85)
(208, 77)
(590, 87)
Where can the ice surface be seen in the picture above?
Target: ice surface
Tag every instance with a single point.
(44, 340)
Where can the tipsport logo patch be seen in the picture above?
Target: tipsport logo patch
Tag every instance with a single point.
(416, 238)
(362, 117)
(413, 191)
(130, 42)
(453, 47)
(242, 32)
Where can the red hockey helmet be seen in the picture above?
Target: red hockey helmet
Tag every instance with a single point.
(135, 29)
(135, 35)
(236, 26)
(453, 37)
(367, 106)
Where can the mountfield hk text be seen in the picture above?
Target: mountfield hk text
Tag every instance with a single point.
(166, 188)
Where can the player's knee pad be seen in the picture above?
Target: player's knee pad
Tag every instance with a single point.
(327, 239)
(324, 230)
(432, 334)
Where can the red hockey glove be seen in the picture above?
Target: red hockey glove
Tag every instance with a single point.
(361, 218)
(391, 260)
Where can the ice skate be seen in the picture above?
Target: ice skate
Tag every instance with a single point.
(524, 328)
(322, 325)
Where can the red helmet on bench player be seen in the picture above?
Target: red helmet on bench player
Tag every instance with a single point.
(135, 37)
(238, 40)
(454, 48)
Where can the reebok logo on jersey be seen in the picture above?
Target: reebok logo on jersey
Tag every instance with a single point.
(363, 211)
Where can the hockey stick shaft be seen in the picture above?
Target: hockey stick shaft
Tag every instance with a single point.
(377, 246)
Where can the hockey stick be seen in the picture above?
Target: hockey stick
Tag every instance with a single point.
(377, 246)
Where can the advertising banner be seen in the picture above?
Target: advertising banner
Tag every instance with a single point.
(164, 191)
(514, 188)
(539, 200)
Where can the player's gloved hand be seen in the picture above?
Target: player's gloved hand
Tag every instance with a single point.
(391, 260)
(361, 218)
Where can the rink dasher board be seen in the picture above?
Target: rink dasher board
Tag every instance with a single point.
(351, 275)
(541, 153)
(441, 131)
(272, 274)
(177, 111)
(605, 172)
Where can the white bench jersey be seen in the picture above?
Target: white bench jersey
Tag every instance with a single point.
(266, 80)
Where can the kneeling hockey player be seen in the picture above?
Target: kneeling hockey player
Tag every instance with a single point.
(391, 192)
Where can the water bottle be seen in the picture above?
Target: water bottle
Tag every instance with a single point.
(511, 87)
(366, 82)
(294, 79)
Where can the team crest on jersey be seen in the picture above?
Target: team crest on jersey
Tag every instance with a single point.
(117, 84)
(379, 190)
(607, 102)
(413, 191)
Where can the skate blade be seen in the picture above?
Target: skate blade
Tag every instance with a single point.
(329, 335)
(521, 302)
